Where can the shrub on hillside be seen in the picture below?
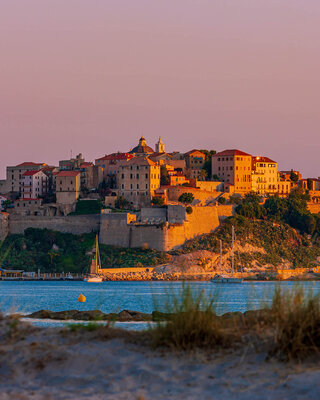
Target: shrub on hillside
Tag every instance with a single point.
(186, 198)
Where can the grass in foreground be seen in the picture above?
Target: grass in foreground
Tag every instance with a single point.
(289, 329)
(193, 323)
(297, 324)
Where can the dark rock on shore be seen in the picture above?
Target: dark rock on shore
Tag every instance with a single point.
(94, 315)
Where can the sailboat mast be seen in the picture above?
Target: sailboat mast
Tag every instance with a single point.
(220, 256)
(97, 256)
(232, 250)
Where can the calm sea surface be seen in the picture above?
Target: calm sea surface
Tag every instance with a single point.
(27, 297)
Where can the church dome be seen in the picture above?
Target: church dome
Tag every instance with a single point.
(142, 147)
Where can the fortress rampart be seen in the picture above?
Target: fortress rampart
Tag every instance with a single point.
(161, 229)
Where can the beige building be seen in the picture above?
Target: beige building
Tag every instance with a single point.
(264, 175)
(91, 175)
(68, 187)
(110, 165)
(194, 163)
(34, 184)
(284, 186)
(14, 174)
(27, 206)
(138, 180)
(72, 163)
(233, 167)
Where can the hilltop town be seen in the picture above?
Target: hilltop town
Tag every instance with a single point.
(144, 197)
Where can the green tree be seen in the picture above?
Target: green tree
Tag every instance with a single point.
(189, 210)
(276, 207)
(122, 203)
(164, 176)
(309, 184)
(250, 207)
(186, 198)
(157, 201)
(293, 177)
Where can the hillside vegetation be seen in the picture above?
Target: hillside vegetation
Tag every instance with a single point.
(283, 227)
(57, 252)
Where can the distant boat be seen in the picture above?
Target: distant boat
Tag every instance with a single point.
(223, 278)
(95, 274)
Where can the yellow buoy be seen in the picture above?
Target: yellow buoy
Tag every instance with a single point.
(82, 298)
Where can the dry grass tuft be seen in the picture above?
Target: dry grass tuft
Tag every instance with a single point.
(193, 324)
(297, 324)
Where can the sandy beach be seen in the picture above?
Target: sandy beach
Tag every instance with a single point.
(108, 363)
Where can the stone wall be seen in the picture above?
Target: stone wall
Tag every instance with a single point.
(201, 196)
(202, 220)
(4, 225)
(76, 224)
(119, 229)
(153, 213)
(225, 211)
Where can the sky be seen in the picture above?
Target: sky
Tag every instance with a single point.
(92, 76)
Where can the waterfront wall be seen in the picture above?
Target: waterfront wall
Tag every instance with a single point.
(4, 225)
(76, 224)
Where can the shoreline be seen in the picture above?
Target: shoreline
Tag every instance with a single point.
(112, 363)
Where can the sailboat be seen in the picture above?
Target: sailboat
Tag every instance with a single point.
(95, 268)
(219, 278)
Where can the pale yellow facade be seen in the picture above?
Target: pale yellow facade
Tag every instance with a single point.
(138, 180)
(234, 168)
(264, 175)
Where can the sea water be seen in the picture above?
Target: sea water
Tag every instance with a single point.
(26, 296)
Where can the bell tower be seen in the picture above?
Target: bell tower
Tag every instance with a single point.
(160, 146)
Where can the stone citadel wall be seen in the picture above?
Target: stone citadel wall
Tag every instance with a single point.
(76, 224)
(120, 229)
(4, 225)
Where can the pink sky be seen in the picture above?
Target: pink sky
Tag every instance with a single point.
(93, 75)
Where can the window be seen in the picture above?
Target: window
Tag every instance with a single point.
(137, 176)
(131, 187)
(137, 185)
(131, 176)
(122, 176)
(146, 176)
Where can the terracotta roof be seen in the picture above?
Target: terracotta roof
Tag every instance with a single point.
(141, 161)
(48, 168)
(30, 173)
(233, 152)
(263, 159)
(30, 164)
(116, 156)
(86, 164)
(68, 173)
(160, 154)
(193, 151)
